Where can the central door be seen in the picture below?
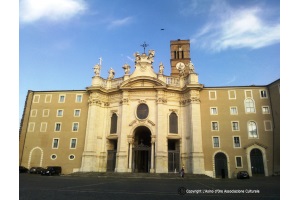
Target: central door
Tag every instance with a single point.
(142, 150)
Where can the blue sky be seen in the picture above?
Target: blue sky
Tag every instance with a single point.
(233, 42)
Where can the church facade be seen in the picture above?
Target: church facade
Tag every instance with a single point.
(152, 123)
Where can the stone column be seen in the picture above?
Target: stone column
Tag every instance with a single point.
(152, 170)
(130, 141)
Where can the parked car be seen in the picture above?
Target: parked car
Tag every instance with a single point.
(242, 175)
(36, 170)
(23, 169)
(51, 170)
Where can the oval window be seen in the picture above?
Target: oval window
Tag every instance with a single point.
(142, 111)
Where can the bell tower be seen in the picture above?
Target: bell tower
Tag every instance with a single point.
(180, 56)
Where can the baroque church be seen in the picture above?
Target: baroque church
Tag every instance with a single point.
(148, 122)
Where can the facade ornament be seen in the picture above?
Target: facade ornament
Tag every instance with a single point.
(191, 67)
(97, 69)
(126, 68)
(111, 73)
(151, 53)
(181, 72)
(161, 100)
(161, 68)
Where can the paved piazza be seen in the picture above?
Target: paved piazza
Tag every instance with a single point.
(38, 187)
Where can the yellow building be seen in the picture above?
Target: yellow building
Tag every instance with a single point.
(152, 123)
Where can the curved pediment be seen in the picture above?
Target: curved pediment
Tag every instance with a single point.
(142, 82)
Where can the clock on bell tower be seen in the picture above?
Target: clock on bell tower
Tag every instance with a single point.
(180, 56)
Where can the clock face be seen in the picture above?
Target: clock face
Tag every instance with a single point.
(180, 66)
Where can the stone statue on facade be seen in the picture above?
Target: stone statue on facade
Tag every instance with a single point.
(111, 73)
(191, 67)
(97, 69)
(126, 68)
(161, 68)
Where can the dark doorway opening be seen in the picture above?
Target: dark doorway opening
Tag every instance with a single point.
(173, 155)
(111, 155)
(257, 163)
(142, 150)
(221, 169)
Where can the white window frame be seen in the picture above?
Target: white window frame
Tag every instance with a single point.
(229, 96)
(59, 127)
(70, 156)
(235, 147)
(270, 124)
(235, 109)
(250, 136)
(46, 110)
(238, 125)
(252, 109)
(71, 143)
(75, 112)
(59, 96)
(210, 96)
(54, 139)
(76, 100)
(43, 124)
(73, 126)
(268, 110)
(48, 95)
(212, 127)
(33, 113)
(237, 163)
(31, 126)
(248, 97)
(260, 94)
(213, 108)
(62, 113)
(36, 98)
(213, 142)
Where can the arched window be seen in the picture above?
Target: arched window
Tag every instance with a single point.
(252, 130)
(249, 106)
(173, 123)
(113, 123)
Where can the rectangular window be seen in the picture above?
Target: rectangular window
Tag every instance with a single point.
(236, 142)
(62, 98)
(43, 127)
(36, 98)
(59, 113)
(213, 111)
(57, 126)
(48, 98)
(263, 94)
(232, 94)
(78, 98)
(265, 109)
(268, 125)
(214, 126)
(216, 142)
(233, 110)
(75, 126)
(33, 113)
(31, 126)
(73, 143)
(76, 113)
(46, 113)
(238, 161)
(248, 94)
(55, 143)
(212, 95)
(235, 126)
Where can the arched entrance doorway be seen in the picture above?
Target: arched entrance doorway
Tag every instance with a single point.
(141, 153)
(257, 163)
(221, 169)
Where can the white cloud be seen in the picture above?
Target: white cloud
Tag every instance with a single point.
(119, 22)
(52, 10)
(236, 28)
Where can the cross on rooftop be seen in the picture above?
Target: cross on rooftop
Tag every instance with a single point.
(144, 46)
